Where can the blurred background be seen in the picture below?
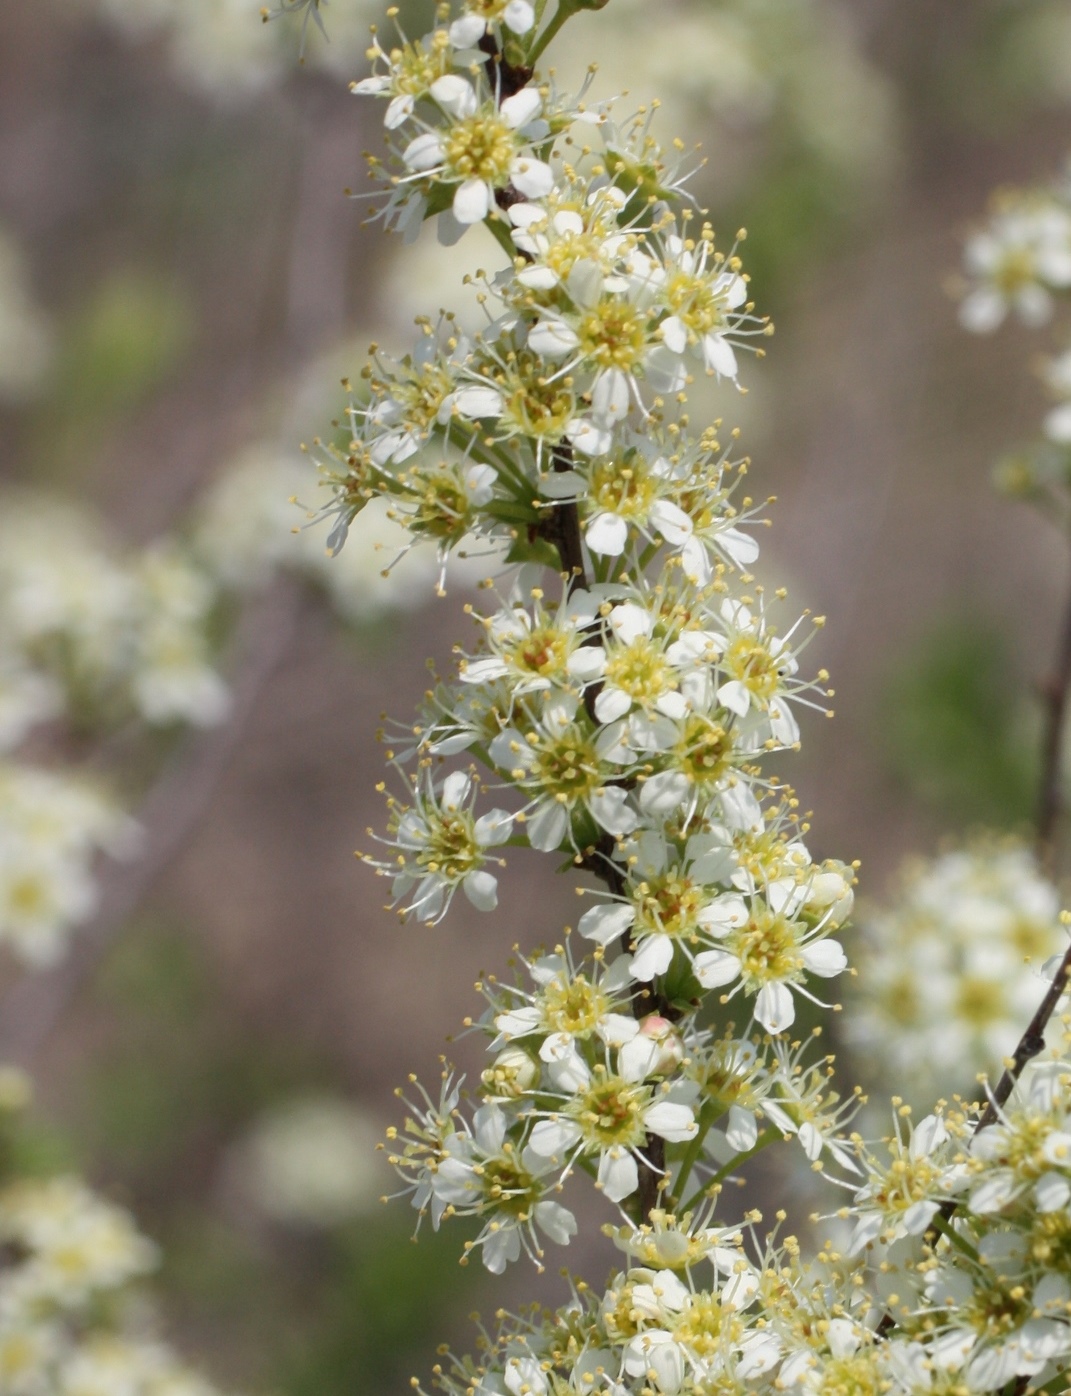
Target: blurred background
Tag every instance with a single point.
(182, 285)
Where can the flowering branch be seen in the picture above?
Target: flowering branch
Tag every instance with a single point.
(626, 691)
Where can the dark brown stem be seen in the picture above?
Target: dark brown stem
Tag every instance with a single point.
(1055, 693)
(562, 528)
(1030, 1044)
(510, 80)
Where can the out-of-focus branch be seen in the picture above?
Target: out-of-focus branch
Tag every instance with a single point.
(1050, 796)
(169, 815)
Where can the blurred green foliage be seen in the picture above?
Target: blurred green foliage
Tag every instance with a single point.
(131, 333)
(955, 726)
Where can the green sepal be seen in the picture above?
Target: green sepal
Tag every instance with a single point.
(680, 988)
(534, 548)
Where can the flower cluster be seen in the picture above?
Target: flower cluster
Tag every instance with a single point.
(97, 634)
(954, 1278)
(1018, 260)
(954, 966)
(618, 707)
(52, 829)
(73, 1257)
(221, 49)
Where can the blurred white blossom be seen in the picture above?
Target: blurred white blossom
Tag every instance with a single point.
(310, 1161)
(110, 631)
(222, 47)
(952, 971)
(53, 826)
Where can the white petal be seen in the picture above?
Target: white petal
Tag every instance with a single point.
(636, 1059)
(532, 178)
(775, 1008)
(610, 398)
(672, 522)
(481, 888)
(825, 958)
(670, 1120)
(735, 696)
(483, 670)
(716, 967)
(467, 31)
(742, 1129)
(611, 704)
(654, 956)
(556, 1221)
(456, 788)
(519, 109)
(500, 1248)
(982, 310)
(477, 402)
(399, 110)
(494, 827)
(606, 922)
(664, 793)
(519, 16)
(455, 94)
(611, 811)
(472, 201)
(588, 437)
(741, 547)
(587, 663)
(546, 827)
(553, 339)
(674, 335)
(551, 1138)
(718, 356)
(424, 153)
(607, 535)
(618, 1174)
(630, 622)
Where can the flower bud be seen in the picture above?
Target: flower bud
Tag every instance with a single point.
(662, 1031)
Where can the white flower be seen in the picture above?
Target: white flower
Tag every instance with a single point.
(440, 846)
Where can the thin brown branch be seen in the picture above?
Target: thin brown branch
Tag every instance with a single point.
(562, 528)
(1030, 1044)
(169, 816)
(1050, 798)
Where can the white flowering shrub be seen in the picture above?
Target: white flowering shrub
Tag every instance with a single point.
(954, 965)
(631, 684)
(73, 1317)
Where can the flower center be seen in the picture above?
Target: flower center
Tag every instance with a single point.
(507, 1186)
(610, 1111)
(613, 335)
(640, 670)
(702, 1325)
(668, 906)
(414, 68)
(451, 846)
(752, 664)
(624, 487)
(568, 768)
(695, 301)
(480, 147)
(767, 948)
(704, 750)
(575, 1007)
(443, 509)
(543, 651)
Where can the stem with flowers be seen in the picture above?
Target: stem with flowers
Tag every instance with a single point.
(630, 681)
